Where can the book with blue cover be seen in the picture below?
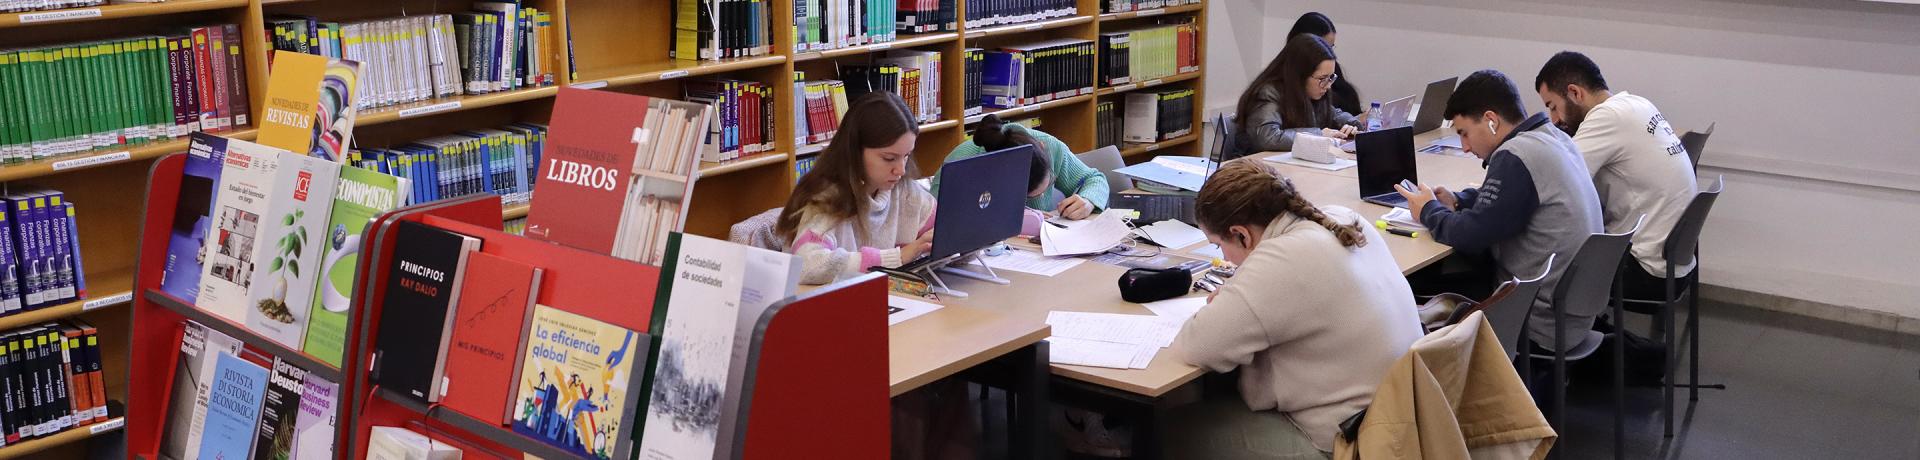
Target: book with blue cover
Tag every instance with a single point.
(233, 406)
(186, 236)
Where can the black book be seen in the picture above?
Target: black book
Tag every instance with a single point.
(422, 291)
(274, 438)
(36, 382)
(18, 380)
(61, 392)
(8, 410)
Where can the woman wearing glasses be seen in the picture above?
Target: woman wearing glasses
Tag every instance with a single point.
(1290, 97)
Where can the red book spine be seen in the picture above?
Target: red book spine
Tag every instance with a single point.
(217, 55)
(203, 83)
(236, 77)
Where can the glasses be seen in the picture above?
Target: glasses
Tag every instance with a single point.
(1327, 81)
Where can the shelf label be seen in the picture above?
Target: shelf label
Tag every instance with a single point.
(591, 85)
(1151, 12)
(673, 75)
(1033, 26)
(1152, 147)
(879, 47)
(1086, 91)
(436, 108)
(111, 300)
(1125, 88)
(1152, 82)
(62, 15)
(95, 160)
(110, 425)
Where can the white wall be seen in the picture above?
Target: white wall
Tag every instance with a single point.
(1818, 105)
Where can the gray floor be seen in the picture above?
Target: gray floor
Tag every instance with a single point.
(1798, 388)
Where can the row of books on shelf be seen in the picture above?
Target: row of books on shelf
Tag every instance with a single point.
(744, 119)
(1138, 55)
(499, 46)
(501, 161)
(1107, 123)
(974, 63)
(821, 25)
(721, 29)
(988, 13)
(1122, 6)
(15, 6)
(50, 380)
(818, 112)
(1158, 116)
(494, 351)
(1020, 75)
(223, 406)
(71, 98)
(40, 263)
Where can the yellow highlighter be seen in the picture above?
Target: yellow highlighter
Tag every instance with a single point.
(1382, 224)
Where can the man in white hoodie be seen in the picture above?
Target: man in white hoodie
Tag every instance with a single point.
(1637, 162)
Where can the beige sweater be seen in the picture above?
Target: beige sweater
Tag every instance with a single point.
(1312, 325)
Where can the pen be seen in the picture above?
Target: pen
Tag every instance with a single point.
(1395, 230)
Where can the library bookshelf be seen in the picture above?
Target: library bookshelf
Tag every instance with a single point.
(614, 45)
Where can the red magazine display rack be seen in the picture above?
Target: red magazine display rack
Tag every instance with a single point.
(817, 371)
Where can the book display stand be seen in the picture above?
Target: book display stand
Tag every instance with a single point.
(819, 359)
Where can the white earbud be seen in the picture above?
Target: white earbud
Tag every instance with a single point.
(1490, 129)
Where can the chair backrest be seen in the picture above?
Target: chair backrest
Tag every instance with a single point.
(1508, 313)
(1587, 285)
(757, 231)
(1696, 143)
(1107, 160)
(1685, 236)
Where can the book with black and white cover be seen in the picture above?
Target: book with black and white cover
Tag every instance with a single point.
(423, 289)
(243, 195)
(192, 380)
(274, 437)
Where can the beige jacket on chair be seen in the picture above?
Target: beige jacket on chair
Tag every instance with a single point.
(1455, 396)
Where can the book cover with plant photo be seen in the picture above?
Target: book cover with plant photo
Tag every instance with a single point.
(291, 234)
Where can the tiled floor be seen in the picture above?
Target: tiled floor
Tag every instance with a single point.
(1797, 389)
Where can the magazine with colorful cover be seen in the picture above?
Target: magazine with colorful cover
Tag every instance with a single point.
(239, 387)
(191, 216)
(281, 407)
(362, 195)
(314, 430)
(701, 283)
(281, 295)
(310, 105)
(579, 384)
(192, 386)
(245, 190)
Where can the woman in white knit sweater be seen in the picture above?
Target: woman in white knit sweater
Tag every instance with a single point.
(859, 207)
(1312, 320)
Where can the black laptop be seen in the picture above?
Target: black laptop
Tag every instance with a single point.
(1433, 104)
(1385, 158)
(1154, 207)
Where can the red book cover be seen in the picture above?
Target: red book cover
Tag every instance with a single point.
(488, 336)
(583, 184)
(203, 81)
(217, 55)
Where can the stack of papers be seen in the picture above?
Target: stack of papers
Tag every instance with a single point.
(1084, 236)
(1401, 217)
(1109, 340)
(1025, 261)
(1186, 173)
(902, 308)
(1171, 234)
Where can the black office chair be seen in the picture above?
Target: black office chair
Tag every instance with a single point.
(1587, 281)
(1696, 144)
(1682, 248)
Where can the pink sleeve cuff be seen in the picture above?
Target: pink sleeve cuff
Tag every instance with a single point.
(870, 257)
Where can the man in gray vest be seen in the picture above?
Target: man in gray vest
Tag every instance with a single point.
(1537, 199)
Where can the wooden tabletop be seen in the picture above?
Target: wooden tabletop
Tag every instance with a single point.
(995, 320)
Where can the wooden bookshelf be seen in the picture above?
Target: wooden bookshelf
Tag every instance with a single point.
(618, 45)
(112, 11)
(34, 448)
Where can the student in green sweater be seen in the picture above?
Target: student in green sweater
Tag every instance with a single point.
(1084, 189)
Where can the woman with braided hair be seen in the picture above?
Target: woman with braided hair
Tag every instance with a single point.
(1316, 314)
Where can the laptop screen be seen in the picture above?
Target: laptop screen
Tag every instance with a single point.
(1385, 158)
(981, 200)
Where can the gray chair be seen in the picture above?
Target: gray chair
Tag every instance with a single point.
(757, 231)
(1696, 144)
(1590, 279)
(1508, 312)
(1682, 247)
(1107, 160)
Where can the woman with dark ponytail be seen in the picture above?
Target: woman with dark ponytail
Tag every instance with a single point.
(1083, 190)
(1315, 316)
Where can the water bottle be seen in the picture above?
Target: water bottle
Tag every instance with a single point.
(1373, 117)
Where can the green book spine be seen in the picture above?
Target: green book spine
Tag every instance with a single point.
(68, 96)
(92, 79)
(8, 112)
(135, 114)
(38, 120)
(115, 84)
(153, 59)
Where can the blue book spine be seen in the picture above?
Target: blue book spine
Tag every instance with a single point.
(79, 269)
(62, 244)
(43, 243)
(25, 228)
(233, 406)
(10, 300)
(1000, 80)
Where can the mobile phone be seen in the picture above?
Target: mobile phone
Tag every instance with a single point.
(1407, 184)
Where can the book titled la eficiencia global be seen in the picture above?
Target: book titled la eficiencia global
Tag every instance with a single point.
(577, 384)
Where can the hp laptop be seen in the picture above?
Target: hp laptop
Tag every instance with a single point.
(1433, 104)
(981, 200)
(1385, 158)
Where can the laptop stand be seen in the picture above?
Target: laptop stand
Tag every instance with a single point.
(932, 273)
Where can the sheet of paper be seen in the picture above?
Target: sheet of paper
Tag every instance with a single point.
(1171, 234)
(1401, 217)
(1084, 236)
(904, 308)
(1337, 164)
(1079, 352)
(1109, 327)
(1181, 166)
(1211, 251)
(1025, 261)
(1182, 308)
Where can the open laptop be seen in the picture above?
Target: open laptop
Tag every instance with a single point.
(981, 201)
(1433, 104)
(1155, 207)
(1394, 113)
(1385, 158)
